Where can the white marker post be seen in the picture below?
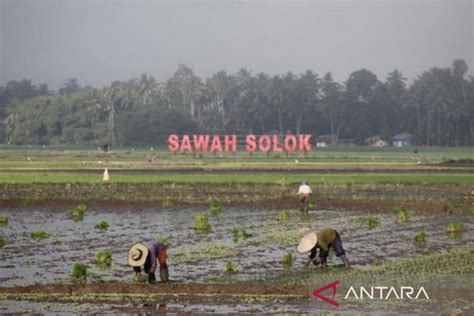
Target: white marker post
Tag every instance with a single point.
(106, 176)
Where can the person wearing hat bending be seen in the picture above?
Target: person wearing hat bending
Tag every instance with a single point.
(147, 254)
(323, 239)
(305, 195)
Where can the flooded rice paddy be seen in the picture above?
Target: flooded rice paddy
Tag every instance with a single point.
(201, 257)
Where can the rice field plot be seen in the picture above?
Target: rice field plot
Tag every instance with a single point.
(201, 256)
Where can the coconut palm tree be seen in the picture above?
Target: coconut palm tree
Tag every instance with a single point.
(221, 87)
(277, 99)
(116, 98)
(147, 87)
(259, 107)
(183, 89)
(331, 104)
(306, 98)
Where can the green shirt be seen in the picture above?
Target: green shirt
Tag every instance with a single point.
(326, 237)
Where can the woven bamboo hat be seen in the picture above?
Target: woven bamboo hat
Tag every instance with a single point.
(137, 255)
(307, 242)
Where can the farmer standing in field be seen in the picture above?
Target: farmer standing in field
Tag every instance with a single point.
(323, 239)
(148, 254)
(305, 195)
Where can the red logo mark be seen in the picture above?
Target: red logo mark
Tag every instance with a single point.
(332, 285)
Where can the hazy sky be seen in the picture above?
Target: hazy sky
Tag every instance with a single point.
(101, 41)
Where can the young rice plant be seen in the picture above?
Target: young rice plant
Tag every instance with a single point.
(102, 225)
(201, 222)
(41, 234)
(231, 267)
(79, 271)
(103, 258)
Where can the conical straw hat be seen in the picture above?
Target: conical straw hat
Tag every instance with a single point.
(137, 255)
(307, 242)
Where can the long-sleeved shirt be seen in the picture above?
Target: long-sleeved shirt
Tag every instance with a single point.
(305, 189)
(326, 237)
(153, 250)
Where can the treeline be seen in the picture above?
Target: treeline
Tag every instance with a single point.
(437, 108)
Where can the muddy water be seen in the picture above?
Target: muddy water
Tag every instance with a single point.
(159, 308)
(26, 261)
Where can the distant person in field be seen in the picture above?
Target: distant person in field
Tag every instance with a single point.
(323, 240)
(149, 255)
(304, 192)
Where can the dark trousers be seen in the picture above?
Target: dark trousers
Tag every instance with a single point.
(336, 246)
(146, 266)
(304, 202)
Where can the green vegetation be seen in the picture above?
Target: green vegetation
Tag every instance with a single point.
(261, 178)
(282, 216)
(207, 251)
(459, 162)
(163, 240)
(312, 204)
(240, 233)
(455, 230)
(3, 220)
(215, 207)
(287, 259)
(286, 237)
(456, 261)
(103, 258)
(79, 271)
(102, 225)
(140, 278)
(36, 115)
(403, 214)
(231, 267)
(78, 212)
(3, 242)
(373, 222)
(420, 238)
(454, 227)
(167, 202)
(81, 305)
(201, 222)
(41, 234)
(236, 188)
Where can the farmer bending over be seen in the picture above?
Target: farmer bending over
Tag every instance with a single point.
(305, 194)
(147, 254)
(323, 239)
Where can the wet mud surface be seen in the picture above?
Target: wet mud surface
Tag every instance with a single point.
(162, 306)
(201, 257)
(196, 260)
(348, 197)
